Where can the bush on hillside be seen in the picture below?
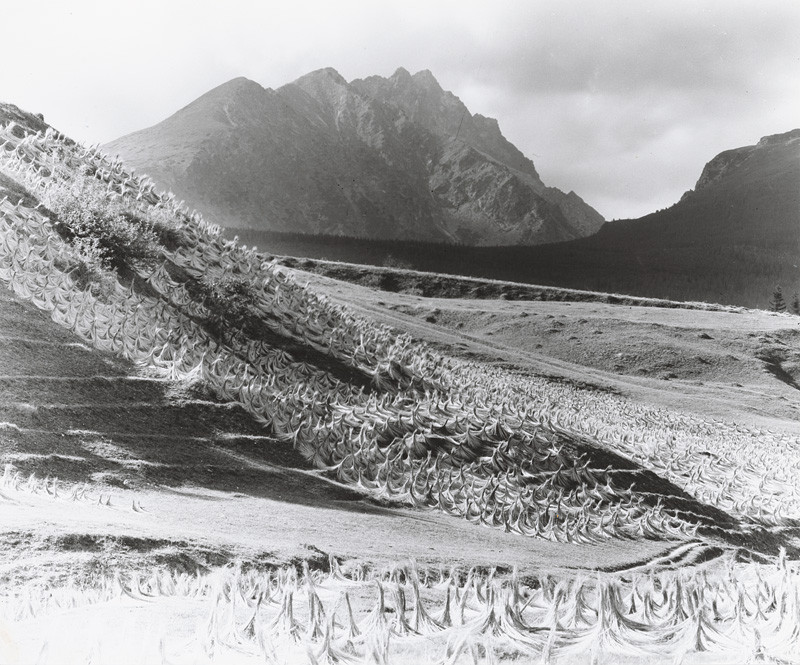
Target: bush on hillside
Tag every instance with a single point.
(391, 261)
(109, 233)
(229, 301)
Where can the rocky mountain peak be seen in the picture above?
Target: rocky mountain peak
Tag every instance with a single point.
(395, 157)
(401, 75)
(324, 75)
(779, 139)
(488, 123)
(238, 83)
(425, 79)
(238, 88)
(420, 98)
(322, 82)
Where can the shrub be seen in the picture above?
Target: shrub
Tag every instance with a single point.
(229, 301)
(112, 232)
(777, 304)
(390, 261)
(86, 269)
(165, 226)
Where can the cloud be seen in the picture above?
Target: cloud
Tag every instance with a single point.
(625, 102)
(626, 47)
(621, 101)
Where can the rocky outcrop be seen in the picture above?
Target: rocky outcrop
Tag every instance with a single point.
(726, 163)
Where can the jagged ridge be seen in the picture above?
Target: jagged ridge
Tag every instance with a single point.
(395, 157)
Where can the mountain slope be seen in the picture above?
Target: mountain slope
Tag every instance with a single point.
(386, 158)
(731, 239)
(746, 196)
(422, 99)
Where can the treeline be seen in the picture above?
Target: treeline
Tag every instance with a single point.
(732, 274)
(778, 302)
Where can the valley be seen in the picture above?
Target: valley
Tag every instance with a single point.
(731, 240)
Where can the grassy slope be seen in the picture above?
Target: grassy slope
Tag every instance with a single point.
(214, 486)
(713, 362)
(147, 413)
(210, 476)
(213, 490)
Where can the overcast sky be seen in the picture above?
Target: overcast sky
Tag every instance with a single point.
(623, 102)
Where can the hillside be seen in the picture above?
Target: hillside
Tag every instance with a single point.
(736, 235)
(209, 461)
(384, 158)
(731, 240)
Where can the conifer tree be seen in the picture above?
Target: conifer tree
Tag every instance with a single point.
(777, 304)
(796, 303)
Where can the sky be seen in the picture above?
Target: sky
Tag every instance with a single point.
(621, 101)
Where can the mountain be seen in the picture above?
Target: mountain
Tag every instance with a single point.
(731, 240)
(747, 196)
(423, 101)
(383, 158)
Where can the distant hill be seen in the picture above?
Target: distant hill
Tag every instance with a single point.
(731, 240)
(380, 158)
(746, 197)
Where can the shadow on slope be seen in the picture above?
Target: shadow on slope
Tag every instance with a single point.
(713, 523)
(80, 414)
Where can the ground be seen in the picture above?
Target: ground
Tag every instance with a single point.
(207, 476)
